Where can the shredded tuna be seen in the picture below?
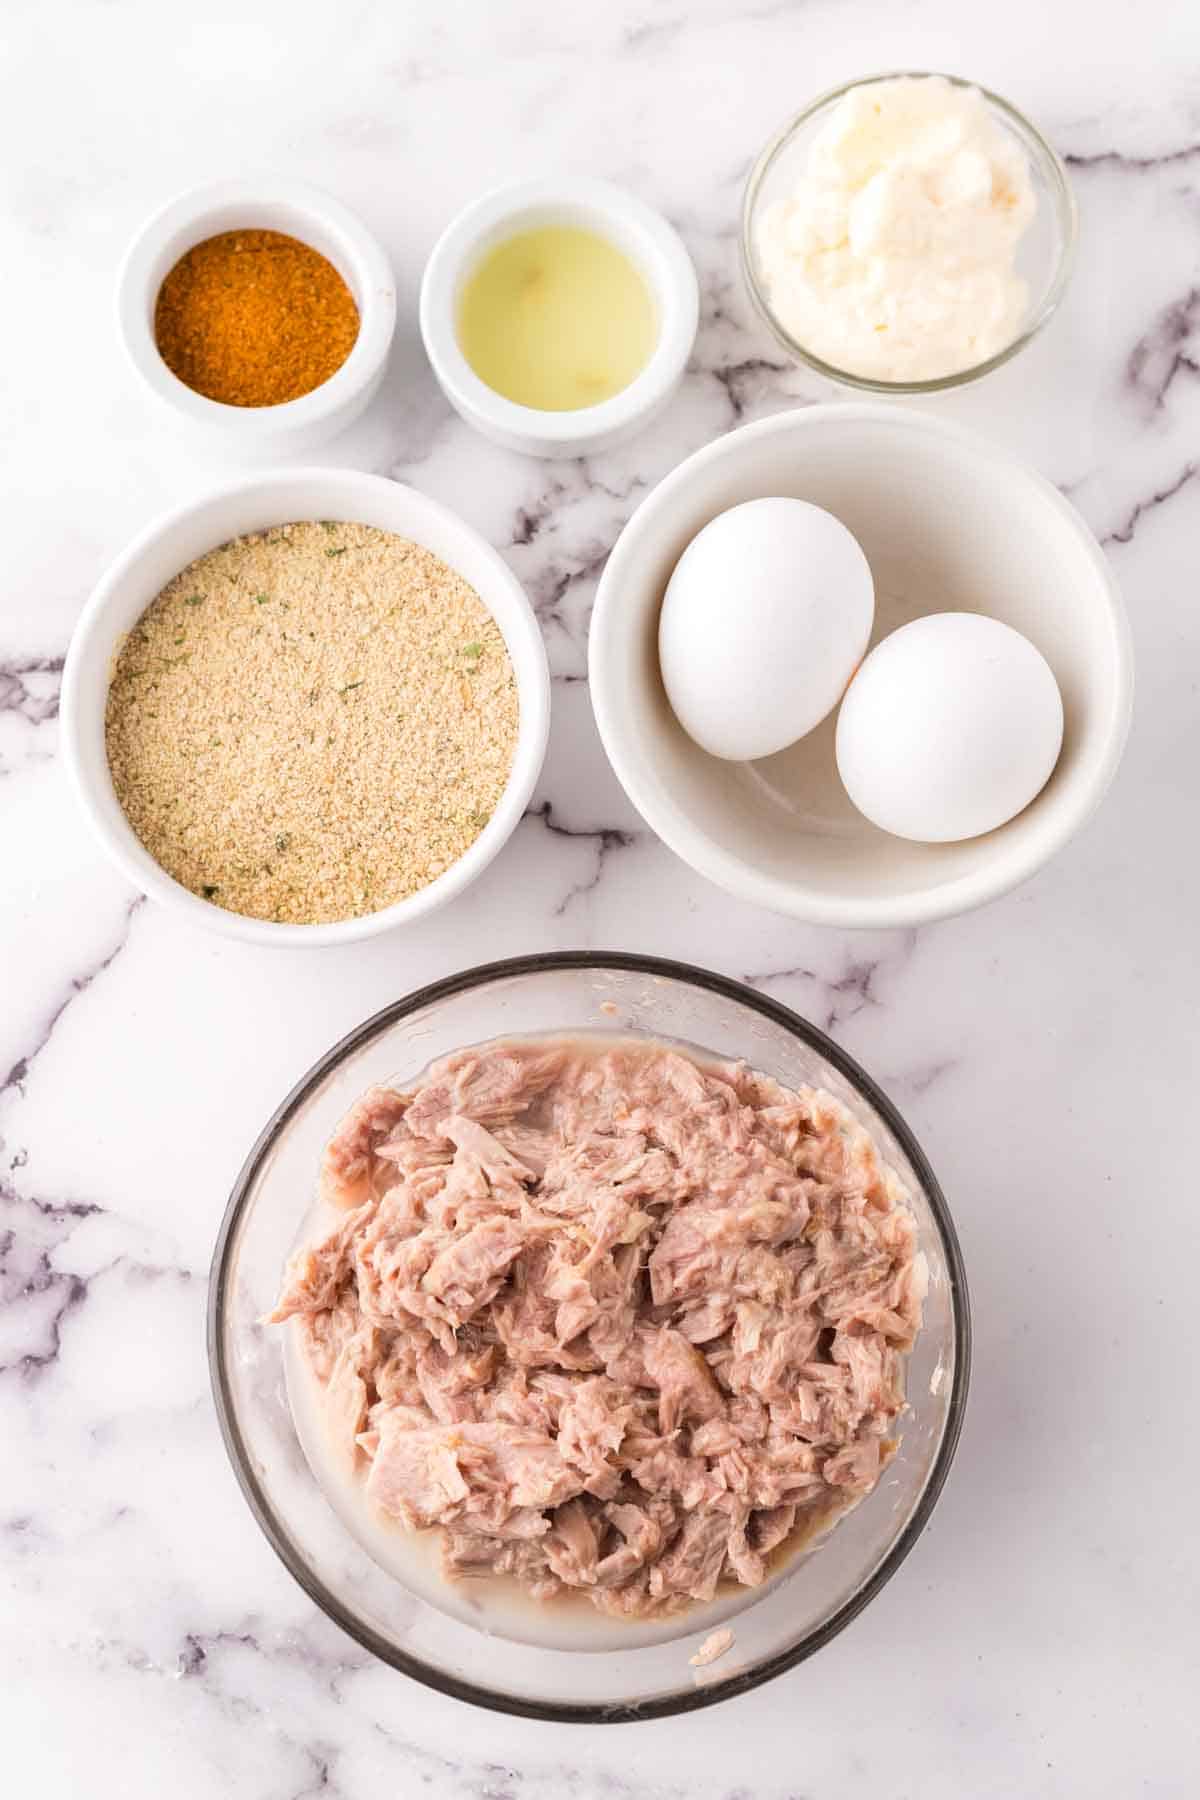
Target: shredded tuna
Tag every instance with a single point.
(715, 1645)
(615, 1321)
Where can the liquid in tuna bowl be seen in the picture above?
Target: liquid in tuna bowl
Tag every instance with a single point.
(604, 1319)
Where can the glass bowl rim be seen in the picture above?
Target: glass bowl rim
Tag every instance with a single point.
(259, 1502)
(1065, 207)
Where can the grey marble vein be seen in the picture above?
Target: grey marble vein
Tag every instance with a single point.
(1131, 164)
(35, 1302)
(919, 1079)
(747, 383)
(322, 1654)
(36, 1296)
(1124, 533)
(22, 692)
(849, 992)
(79, 984)
(655, 32)
(1165, 352)
(604, 839)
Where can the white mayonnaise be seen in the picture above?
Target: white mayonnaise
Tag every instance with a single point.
(893, 258)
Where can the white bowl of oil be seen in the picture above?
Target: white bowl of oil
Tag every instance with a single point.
(559, 316)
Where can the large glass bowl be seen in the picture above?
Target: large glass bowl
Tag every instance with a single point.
(1045, 256)
(822, 1589)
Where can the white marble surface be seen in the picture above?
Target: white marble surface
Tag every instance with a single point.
(1042, 1638)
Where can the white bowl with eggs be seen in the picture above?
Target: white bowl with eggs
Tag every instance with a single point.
(173, 542)
(949, 523)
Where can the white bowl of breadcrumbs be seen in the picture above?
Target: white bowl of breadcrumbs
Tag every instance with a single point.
(307, 708)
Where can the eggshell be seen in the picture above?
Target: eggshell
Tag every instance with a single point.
(952, 725)
(764, 620)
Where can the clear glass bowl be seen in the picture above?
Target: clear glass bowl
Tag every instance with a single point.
(820, 1591)
(1045, 257)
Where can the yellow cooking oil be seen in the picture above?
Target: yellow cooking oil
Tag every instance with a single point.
(556, 318)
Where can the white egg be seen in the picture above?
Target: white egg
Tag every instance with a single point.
(952, 725)
(763, 623)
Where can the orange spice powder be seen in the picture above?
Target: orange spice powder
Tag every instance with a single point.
(254, 318)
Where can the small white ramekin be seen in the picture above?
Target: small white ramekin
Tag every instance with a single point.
(280, 498)
(317, 220)
(656, 250)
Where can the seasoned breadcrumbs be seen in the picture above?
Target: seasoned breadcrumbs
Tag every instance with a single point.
(312, 722)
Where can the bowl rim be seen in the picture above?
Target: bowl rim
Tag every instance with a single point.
(1065, 208)
(690, 1700)
(361, 251)
(668, 271)
(88, 665)
(1000, 873)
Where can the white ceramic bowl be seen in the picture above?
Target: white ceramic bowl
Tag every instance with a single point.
(317, 220)
(655, 249)
(948, 522)
(276, 499)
